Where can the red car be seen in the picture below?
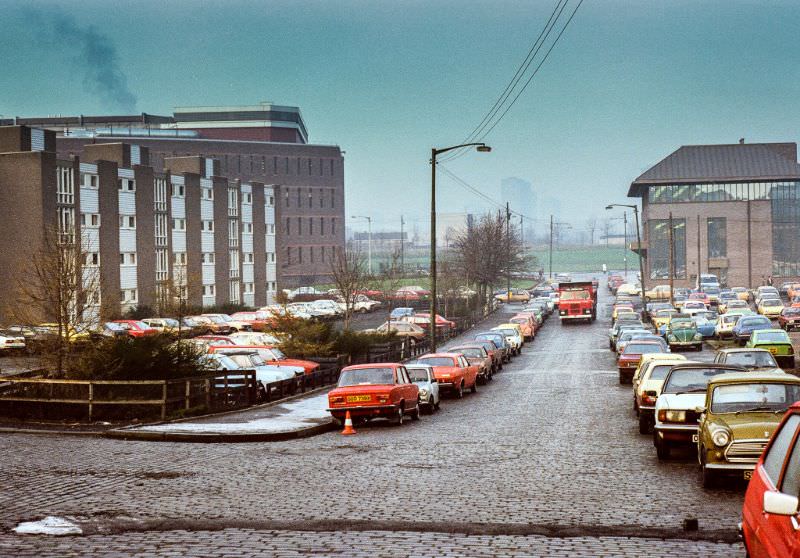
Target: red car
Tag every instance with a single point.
(135, 328)
(629, 358)
(477, 354)
(770, 515)
(381, 390)
(452, 372)
(789, 318)
(702, 297)
(272, 355)
(258, 320)
(424, 321)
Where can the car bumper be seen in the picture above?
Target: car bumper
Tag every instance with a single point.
(678, 434)
(575, 316)
(10, 346)
(370, 410)
(724, 466)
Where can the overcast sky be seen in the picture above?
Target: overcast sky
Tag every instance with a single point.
(629, 82)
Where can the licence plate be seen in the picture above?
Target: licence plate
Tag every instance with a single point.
(358, 398)
(695, 438)
(748, 475)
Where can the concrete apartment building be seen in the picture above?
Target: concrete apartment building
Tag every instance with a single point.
(265, 144)
(181, 229)
(735, 213)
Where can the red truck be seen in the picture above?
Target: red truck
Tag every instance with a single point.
(577, 300)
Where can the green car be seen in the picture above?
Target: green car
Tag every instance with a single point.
(741, 412)
(682, 332)
(775, 341)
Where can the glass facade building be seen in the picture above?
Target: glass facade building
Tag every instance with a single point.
(658, 255)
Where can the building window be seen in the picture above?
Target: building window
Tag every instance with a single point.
(89, 180)
(160, 194)
(234, 292)
(286, 198)
(271, 228)
(207, 193)
(65, 187)
(90, 220)
(234, 263)
(92, 259)
(333, 198)
(207, 226)
(178, 190)
(247, 228)
(311, 226)
(320, 167)
(310, 199)
(270, 201)
(208, 257)
(658, 248)
(286, 163)
(274, 165)
(249, 288)
(162, 265)
(299, 226)
(310, 165)
(786, 230)
(288, 226)
(127, 222)
(299, 202)
(331, 167)
(161, 230)
(717, 237)
(311, 254)
(322, 226)
(333, 225)
(288, 255)
(129, 296)
(127, 258)
(233, 233)
(179, 224)
(300, 254)
(180, 258)
(248, 257)
(247, 198)
(233, 202)
(209, 290)
(126, 184)
(321, 199)
(322, 255)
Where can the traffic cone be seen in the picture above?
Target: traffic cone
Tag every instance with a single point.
(348, 425)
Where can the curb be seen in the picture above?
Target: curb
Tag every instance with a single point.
(44, 432)
(219, 438)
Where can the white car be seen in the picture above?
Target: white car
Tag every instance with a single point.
(249, 360)
(327, 308)
(676, 412)
(513, 338)
(725, 324)
(422, 375)
(11, 342)
(235, 325)
(265, 360)
(291, 295)
(253, 338)
(305, 310)
(692, 307)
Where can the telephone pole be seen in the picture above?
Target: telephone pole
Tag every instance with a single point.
(508, 252)
(671, 264)
(551, 246)
(625, 245)
(402, 243)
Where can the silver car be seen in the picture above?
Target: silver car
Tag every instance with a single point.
(422, 376)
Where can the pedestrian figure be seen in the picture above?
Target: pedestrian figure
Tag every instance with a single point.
(769, 280)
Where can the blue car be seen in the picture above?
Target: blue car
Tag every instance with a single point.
(747, 325)
(398, 313)
(705, 326)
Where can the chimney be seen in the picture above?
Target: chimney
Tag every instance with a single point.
(741, 141)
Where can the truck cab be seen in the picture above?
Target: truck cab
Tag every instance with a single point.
(577, 301)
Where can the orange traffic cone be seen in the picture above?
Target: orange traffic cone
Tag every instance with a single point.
(348, 425)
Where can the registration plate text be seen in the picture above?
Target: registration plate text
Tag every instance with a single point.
(358, 398)
(748, 475)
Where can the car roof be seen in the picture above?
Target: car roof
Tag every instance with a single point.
(741, 350)
(451, 355)
(415, 365)
(755, 376)
(663, 356)
(373, 365)
(771, 330)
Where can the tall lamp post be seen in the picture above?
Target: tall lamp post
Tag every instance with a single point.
(483, 148)
(369, 239)
(638, 242)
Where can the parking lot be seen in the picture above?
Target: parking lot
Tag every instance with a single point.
(546, 459)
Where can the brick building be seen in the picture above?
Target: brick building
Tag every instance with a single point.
(263, 143)
(184, 228)
(735, 213)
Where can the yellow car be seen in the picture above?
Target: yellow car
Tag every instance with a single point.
(662, 317)
(514, 295)
(647, 385)
(628, 289)
(658, 293)
(621, 310)
(770, 308)
(513, 335)
(74, 335)
(741, 293)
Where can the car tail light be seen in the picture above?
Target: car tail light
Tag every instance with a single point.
(337, 399)
(648, 399)
(383, 398)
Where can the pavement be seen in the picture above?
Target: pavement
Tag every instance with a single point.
(546, 460)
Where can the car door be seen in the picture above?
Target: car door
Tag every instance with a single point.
(773, 535)
(407, 391)
(470, 371)
(434, 386)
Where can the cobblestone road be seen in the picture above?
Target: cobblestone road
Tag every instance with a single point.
(544, 461)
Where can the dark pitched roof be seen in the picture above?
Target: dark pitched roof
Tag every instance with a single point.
(717, 163)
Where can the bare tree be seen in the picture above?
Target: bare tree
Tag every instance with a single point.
(592, 226)
(349, 273)
(391, 280)
(60, 286)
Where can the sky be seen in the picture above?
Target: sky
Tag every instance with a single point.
(628, 83)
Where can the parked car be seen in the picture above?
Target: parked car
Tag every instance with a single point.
(658, 292)
(647, 382)
(691, 307)
(422, 375)
(628, 359)
(706, 323)
(734, 305)
(258, 320)
(253, 338)
(271, 356)
(514, 295)
(412, 332)
(741, 293)
(770, 307)
(453, 372)
(476, 355)
(163, 325)
(493, 351)
(648, 336)
(770, 511)
(676, 415)
(725, 325)
(235, 325)
(308, 291)
(209, 326)
(513, 335)
(328, 308)
(626, 335)
(777, 342)
(741, 412)
(424, 321)
(789, 319)
(11, 342)
(500, 341)
(747, 325)
(135, 328)
(619, 327)
(751, 359)
(682, 333)
(370, 391)
(265, 375)
(662, 317)
(398, 313)
(526, 323)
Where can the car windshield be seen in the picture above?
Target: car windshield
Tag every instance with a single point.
(711, 290)
(366, 376)
(496, 338)
(754, 322)
(469, 352)
(688, 380)
(247, 361)
(737, 398)
(772, 337)
(772, 302)
(641, 349)
(508, 332)
(574, 295)
(227, 362)
(751, 359)
(791, 312)
(660, 371)
(437, 361)
(693, 304)
(681, 324)
(665, 313)
(418, 374)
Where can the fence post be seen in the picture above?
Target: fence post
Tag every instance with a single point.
(225, 391)
(188, 394)
(91, 398)
(164, 400)
(208, 393)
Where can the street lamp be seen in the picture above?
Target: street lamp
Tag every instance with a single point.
(369, 239)
(638, 242)
(481, 147)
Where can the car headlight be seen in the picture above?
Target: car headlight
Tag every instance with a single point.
(697, 337)
(668, 415)
(721, 437)
(423, 392)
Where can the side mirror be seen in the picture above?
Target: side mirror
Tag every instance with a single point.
(700, 410)
(779, 503)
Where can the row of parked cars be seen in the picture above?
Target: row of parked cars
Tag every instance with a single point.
(739, 415)
(395, 391)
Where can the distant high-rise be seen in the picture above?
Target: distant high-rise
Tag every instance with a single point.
(519, 195)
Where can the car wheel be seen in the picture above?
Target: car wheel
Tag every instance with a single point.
(460, 392)
(474, 388)
(621, 378)
(362, 311)
(416, 412)
(399, 417)
(437, 404)
(662, 450)
(710, 479)
(644, 424)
